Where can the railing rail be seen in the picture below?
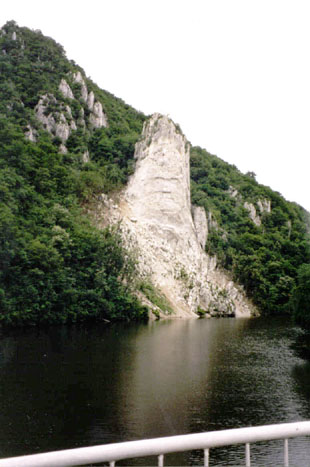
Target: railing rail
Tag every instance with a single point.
(160, 446)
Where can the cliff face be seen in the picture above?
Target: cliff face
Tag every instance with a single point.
(167, 233)
(66, 144)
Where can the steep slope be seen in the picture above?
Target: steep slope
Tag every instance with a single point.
(43, 92)
(67, 149)
(169, 234)
(255, 233)
(55, 266)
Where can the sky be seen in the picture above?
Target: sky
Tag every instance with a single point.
(234, 74)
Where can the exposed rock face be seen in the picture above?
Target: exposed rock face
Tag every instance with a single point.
(161, 179)
(252, 213)
(41, 110)
(65, 89)
(233, 192)
(54, 122)
(59, 122)
(97, 118)
(78, 78)
(85, 157)
(263, 206)
(157, 222)
(90, 101)
(62, 128)
(31, 134)
(201, 225)
(81, 120)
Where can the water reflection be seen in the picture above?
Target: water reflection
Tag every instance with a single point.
(171, 375)
(77, 386)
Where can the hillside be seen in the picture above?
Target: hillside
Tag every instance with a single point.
(55, 266)
(255, 232)
(64, 142)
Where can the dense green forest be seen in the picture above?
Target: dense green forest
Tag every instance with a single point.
(55, 266)
(264, 255)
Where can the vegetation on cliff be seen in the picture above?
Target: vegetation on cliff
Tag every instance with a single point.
(55, 266)
(264, 252)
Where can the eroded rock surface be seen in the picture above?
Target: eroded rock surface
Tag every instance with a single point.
(54, 122)
(56, 116)
(201, 225)
(264, 205)
(158, 225)
(65, 89)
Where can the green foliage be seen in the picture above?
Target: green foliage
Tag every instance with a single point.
(263, 258)
(300, 305)
(55, 267)
(200, 312)
(32, 65)
(155, 296)
(300, 301)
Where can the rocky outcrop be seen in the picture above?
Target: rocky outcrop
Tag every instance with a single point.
(158, 225)
(263, 206)
(65, 89)
(85, 157)
(97, 118)
(31, 134)
(78, 78)
(54, 122)
(201, 225)
(233, 193)
(56, 116)
(252, 213)
(90, 101)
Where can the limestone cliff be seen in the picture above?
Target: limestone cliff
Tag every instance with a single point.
(167, 233)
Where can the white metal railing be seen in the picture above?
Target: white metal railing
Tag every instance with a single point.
(160, 446)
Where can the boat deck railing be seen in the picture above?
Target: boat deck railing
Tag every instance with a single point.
(111, 453)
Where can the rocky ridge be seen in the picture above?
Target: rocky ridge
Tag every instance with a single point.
(57, 117)
(167, 234)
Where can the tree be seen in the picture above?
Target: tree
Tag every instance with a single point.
(301, 297)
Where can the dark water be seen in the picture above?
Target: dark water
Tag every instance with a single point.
(68, 387)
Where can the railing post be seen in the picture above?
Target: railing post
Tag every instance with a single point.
(286, 461)
(116, 452)
(247, 455)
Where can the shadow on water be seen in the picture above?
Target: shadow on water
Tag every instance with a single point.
(76, 386)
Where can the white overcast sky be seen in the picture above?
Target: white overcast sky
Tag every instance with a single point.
(235, 74)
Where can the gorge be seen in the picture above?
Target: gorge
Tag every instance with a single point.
(109, 219)
(109, 214)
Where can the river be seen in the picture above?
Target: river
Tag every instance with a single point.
(67, 387)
